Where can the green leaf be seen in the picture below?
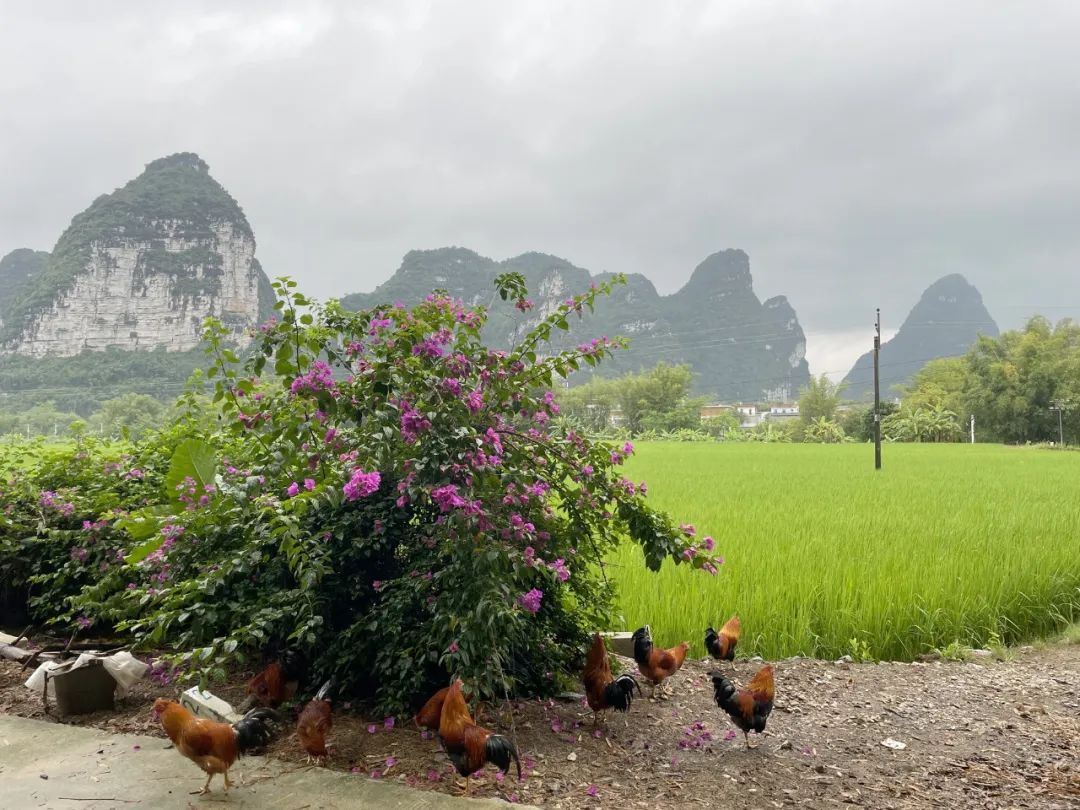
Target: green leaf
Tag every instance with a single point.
(143, 523)
(195, 459)
(141, 552)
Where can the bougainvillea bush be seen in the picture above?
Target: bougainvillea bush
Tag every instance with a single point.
(389, 499)
(58, 510)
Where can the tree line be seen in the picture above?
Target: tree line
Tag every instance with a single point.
(1021, 387)
(1016, 386)
(127, 415)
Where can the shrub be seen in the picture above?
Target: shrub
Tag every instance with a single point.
(823, 431)
(395, 502)
(57, 533)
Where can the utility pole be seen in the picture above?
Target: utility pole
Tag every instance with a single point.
(1059, 407)
(973, 428)
(877, 394)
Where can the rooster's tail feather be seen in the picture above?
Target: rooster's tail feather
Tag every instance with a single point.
(255, 729)
(500, 751)
(619, 694)
(324, 690)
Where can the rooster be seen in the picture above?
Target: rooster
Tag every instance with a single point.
(468, 745)
(431, 712)
(214, 746)
(271, 687)
(314, 724)
(602, 690)
(722, 646)
(657, 665)
(748, 708)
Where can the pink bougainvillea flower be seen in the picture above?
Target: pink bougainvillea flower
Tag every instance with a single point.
(531, 600)
(361, 484)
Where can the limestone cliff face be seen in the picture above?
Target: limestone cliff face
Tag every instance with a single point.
(142, 267)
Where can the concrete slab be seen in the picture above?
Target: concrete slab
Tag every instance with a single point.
(50, 765)
(619, 643)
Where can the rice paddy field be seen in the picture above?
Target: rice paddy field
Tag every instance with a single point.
(947, 543)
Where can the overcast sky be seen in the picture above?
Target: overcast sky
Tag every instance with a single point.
(857, 151)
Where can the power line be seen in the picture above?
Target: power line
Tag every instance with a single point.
(669, 344)
(179, 387)
(756, 337)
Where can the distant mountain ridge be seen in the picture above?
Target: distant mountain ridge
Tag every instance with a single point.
(945, 322)
(740, 347)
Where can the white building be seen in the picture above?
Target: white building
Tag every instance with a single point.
(778, 413)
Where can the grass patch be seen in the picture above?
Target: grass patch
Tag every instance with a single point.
(947, 545)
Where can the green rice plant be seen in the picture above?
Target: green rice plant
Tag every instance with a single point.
(970, 544)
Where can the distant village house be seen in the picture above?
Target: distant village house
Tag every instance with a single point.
(751, 414)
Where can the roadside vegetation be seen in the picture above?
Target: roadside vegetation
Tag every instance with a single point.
(376, 493)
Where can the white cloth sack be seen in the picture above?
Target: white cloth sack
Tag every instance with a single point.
(37, 679)
(125, 669)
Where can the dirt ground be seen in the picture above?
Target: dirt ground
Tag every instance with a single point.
(980, 734)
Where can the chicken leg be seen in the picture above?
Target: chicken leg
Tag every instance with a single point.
(205, 788)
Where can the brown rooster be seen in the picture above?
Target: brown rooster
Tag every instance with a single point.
(431, 712)
(468, 745)
(748, 708)
(314, 724)
(657, 665)
(271, 687)
(213, 746)
(722, 646)
(602, 689)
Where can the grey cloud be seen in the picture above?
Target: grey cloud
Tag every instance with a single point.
(856, 151)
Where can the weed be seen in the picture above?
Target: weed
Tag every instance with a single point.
(859, 650)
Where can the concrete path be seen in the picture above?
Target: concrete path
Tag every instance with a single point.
(50, 765)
